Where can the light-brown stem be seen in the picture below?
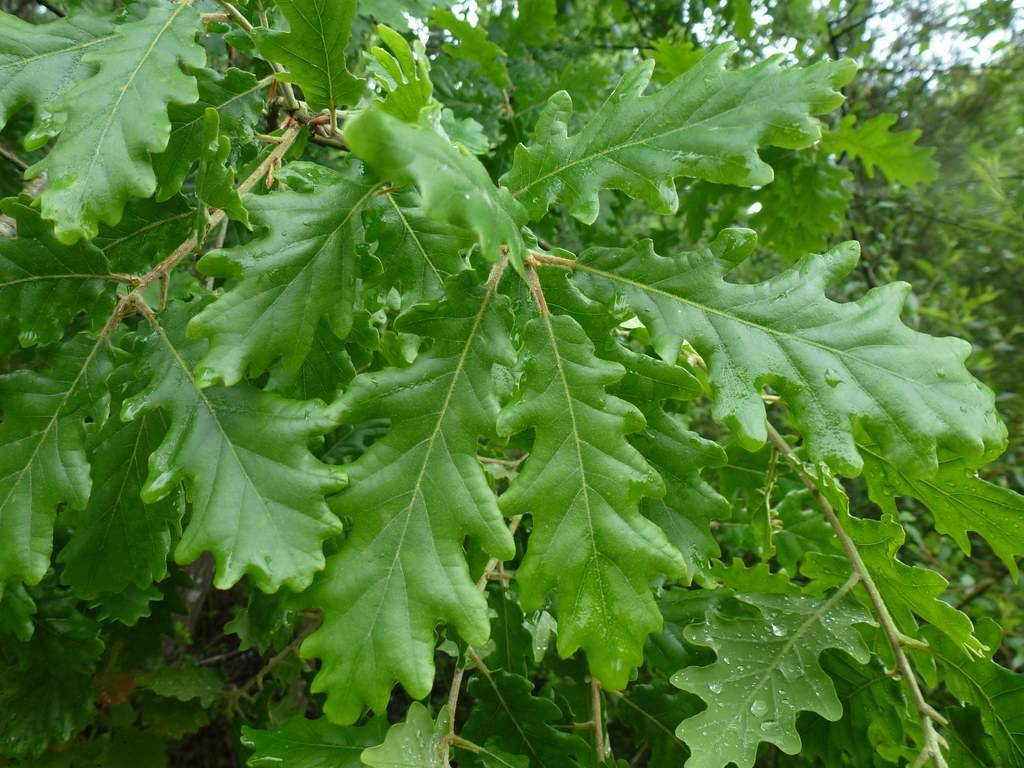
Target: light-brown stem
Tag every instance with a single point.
(933, 742)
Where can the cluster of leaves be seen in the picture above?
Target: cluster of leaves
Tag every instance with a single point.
(342, 374)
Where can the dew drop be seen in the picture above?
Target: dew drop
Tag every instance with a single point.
(758, 708)
(715, 686)
(832, 377)
(778, 631)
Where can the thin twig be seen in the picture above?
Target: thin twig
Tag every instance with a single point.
(269, 162)
(933, 742)
(239, 18)
(13, 159)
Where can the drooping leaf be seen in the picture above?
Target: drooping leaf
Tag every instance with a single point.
(43, 459)
(40, 62)
(257, 504)
(907, 590)
(304, 743)
(893, 153)
(959, 501)
(413, 497)
(507, 714)
(996, 691)
(45, 284)
(708, 124)
(215, 178)
(689, 505)
(313, 50)
(840, 367)
(582, 485)
(877, 719)
(455, 187)
(768, 670)
(235, 96)
(118, 540)
(415, 742)
(300, 269)
(116, 118)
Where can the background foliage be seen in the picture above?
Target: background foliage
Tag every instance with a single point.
(161, 622)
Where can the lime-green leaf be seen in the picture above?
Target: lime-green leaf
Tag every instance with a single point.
(507, 713)
(407, 75)
(959, 501)
(45, 284)
(257, 504)
(418, 741)
(116, 118)
(42, 450)
(689, 505)
(413, 497)
(893, 153)
(300, 269)
(455, 186)
(235, 96)
(314, 50)
(840, 367)
(302, 743)
(117, 539)
(40, 62)
(766, 673)
(582, 484)
(708, 124)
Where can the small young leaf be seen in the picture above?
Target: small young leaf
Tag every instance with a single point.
(454, 185)
(415, 742)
